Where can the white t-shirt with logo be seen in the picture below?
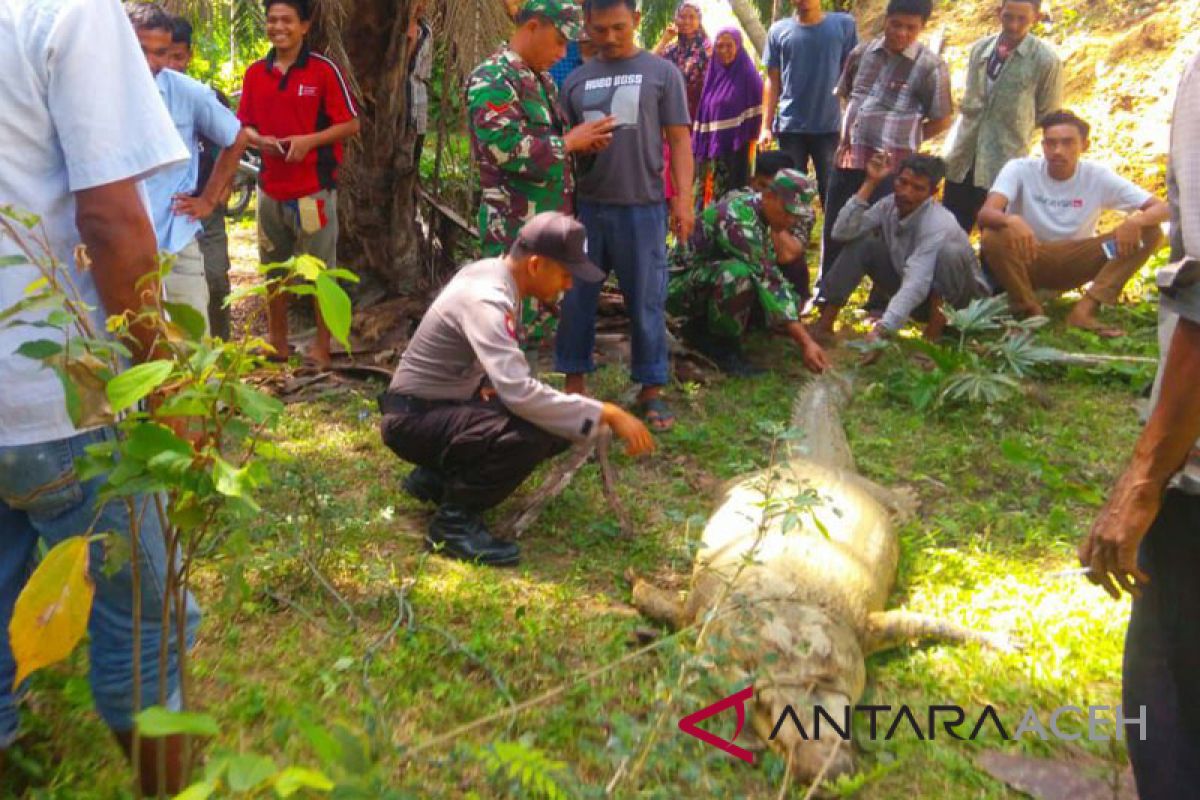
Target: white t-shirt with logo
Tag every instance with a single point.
(1065, 210)
(78, 110)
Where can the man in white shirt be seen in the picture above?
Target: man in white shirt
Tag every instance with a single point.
(1039, 226)
(75, 148)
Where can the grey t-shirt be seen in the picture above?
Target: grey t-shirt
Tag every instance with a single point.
(645, 93)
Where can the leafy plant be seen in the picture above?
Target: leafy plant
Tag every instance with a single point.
(536, 774)
(190, 436)
(984, 365)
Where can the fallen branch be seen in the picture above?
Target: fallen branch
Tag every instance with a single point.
(1096, 360)
(558, 480)
(608, 476)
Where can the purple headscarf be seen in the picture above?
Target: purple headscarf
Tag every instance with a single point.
(730, 113)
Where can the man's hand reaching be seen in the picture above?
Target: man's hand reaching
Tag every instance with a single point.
(590, 137)
(629, 429)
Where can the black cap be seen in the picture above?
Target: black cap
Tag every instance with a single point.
(562, 238)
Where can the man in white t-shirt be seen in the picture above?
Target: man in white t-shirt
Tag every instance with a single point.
(81, 124)
(1039, 226)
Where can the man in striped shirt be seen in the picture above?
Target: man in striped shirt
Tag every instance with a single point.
(897, 95)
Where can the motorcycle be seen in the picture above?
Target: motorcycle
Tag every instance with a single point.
(245, 183)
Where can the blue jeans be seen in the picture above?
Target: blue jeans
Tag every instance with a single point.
(632, 240)
(41, 498)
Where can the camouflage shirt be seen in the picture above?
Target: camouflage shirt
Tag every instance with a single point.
(732, 245)
(517, 141)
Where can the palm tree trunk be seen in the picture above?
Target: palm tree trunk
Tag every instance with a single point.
(377, 198)
(747, 16)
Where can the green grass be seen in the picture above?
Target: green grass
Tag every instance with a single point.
(277, 647)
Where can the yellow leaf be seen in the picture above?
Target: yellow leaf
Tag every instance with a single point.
(51, 615)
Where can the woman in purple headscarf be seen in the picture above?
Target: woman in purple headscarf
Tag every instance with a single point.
(689, 49)
(728, 119)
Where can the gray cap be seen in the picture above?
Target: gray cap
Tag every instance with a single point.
(559, 237)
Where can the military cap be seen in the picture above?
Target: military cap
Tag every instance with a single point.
(565, 15)
(795, 189)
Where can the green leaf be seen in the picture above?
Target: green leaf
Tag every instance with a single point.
(308, 267)
(247, 771)
(156, 722)
(132, 385)
(40, 302)
(149, 439)
(39, 349)
(13, 261)
(71, 395)
(293, 779)
(197, 791)
(259, 406)
(327, 748)
(335, 309)
(188, 319)
(342, 273)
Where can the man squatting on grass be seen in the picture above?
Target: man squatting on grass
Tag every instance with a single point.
(465, 408)
(1147, 537)
(1039, 226)
(910, 245)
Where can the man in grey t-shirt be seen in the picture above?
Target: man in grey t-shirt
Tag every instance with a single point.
(620, 197)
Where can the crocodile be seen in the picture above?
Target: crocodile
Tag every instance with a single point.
(791, 581)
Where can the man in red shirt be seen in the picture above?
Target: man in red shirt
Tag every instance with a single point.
(298, 109)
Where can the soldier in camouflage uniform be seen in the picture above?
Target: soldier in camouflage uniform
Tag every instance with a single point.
(519, 138)
(730, 266)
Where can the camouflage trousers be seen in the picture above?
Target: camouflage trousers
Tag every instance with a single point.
(538, 323)
(723, 295)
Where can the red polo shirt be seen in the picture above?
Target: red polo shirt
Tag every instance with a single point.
(311, 96)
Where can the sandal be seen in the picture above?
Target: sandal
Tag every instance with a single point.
(656, 413)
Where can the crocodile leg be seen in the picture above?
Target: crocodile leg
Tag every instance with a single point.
(658, 604)
(888, 629)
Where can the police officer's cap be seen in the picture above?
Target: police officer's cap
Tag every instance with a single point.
(561, 238)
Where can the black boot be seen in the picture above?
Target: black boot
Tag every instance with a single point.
(461, 534)
(726, 354)
(424, 484)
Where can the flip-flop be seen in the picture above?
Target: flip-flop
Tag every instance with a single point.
(657, 414)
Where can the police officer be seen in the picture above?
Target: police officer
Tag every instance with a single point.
(519, 137)
(463, 405)
(731, 266)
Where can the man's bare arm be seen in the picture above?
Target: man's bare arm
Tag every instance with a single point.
(994, 213)
(222, 175)
(120, 241)
(770, 105)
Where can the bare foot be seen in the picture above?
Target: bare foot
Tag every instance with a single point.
(1083, 316)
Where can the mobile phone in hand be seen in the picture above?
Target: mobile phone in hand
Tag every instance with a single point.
(1110, 248)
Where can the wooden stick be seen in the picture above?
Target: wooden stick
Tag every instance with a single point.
(1096, 360)
(558, 480)
(608, 477)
